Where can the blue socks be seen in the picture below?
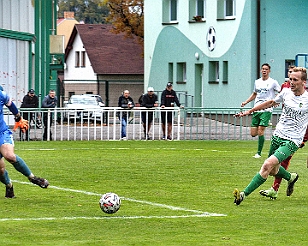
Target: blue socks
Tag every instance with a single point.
(5, 178)
(21, 166)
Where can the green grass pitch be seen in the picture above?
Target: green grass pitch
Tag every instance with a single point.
(173, 193)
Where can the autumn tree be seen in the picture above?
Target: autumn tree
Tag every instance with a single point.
(87, 11)
(127, 16)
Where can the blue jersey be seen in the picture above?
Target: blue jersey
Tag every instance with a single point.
(4, 100)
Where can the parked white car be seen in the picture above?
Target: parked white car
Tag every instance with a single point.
(98, 99)
(83, 107)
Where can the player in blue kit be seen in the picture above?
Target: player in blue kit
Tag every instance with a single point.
(7, 148)
(287, 137)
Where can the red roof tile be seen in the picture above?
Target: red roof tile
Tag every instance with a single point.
(110, 53)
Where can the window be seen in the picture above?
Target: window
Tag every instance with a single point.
(170, 72)
(83, 58)
(197, 10)
(200, 8)
(225, 72)
(169, 13)
(288, 63)
(173, 10)
(229, 8)
(181, 72)
(214, 72)
(225, 9)
(77, 59)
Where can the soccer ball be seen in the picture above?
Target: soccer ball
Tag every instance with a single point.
(110, 203)
(211, 38)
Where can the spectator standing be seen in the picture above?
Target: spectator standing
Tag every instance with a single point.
(125, 102)
(149, 100)
(29, 101)
(168, 99)
(49, 101)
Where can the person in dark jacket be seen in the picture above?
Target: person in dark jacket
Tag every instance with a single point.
(49, 101)
(168, 99)
(125, 102)
(149, 100)
(29, 101)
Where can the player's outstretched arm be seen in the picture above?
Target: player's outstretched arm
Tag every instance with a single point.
(267, 104)
(251, 98)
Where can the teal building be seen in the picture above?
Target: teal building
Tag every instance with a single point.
(213, 49)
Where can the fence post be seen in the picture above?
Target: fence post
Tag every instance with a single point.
(48, 125)
(179, 123)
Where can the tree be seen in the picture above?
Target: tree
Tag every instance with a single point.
(87, 11)
(127, 16)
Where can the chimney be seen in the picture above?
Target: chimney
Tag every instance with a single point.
(68, 15)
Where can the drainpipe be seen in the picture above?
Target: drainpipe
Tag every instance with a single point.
(258, 37)
(30, 66)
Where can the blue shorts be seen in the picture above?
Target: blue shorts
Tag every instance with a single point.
(6, 137)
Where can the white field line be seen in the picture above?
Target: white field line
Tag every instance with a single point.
(112, 217)
(126, 148)
(205, 150)
(198, 213)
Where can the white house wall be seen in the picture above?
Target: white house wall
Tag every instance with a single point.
(74, 74)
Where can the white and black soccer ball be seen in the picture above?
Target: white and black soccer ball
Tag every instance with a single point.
(211, 38)
(110, 203)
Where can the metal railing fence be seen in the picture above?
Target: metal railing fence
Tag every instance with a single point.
(187, 124)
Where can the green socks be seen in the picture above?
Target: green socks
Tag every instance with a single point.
(283, 173)
(261, 140)
(256, 181)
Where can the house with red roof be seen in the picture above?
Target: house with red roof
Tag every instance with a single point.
(65, 25)
(99, 61)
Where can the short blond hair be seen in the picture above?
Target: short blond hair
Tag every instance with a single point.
(302, 70)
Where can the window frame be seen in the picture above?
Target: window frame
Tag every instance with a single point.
(226, 15)
(181, 72)
(170, 72)
(195, 13)
(223, 9)
(200, 12)
(173, 10)
(77, 58)
(213, 72)
(83, 59)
